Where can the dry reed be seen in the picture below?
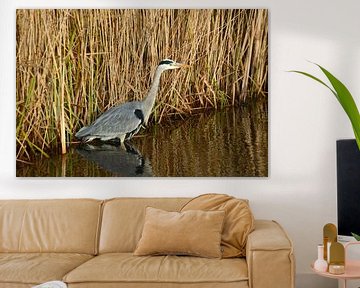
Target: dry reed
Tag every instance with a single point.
(72, 65)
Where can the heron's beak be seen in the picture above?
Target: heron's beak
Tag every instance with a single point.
(180, 65)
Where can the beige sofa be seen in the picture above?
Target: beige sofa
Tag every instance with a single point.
(89, 243)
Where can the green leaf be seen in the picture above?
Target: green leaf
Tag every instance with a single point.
(316, 79)
(357, 237)
(357, 137)
(346, 100)
(344, 97)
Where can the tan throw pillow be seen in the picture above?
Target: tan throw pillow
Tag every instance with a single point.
(196, 233)
(239, 220)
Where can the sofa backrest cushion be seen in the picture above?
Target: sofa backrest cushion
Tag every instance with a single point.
(66, 226)
(123, 220)
(238, 224)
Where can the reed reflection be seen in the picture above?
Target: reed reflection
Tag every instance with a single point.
(230, 143)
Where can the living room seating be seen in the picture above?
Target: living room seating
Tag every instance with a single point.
(90, 243)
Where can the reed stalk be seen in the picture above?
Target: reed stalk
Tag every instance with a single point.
(72, 65)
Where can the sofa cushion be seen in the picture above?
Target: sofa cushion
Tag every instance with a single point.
(193, 232)
(36, 268)
(64, 226)
(238, 223)
(123, 220)
(126, 268)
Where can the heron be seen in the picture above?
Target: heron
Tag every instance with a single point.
(125, 120)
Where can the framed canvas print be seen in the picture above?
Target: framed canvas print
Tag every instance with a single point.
(142, 92)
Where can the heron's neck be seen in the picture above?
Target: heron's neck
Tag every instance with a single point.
(149, 101)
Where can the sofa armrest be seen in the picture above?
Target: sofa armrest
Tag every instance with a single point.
(269, 255)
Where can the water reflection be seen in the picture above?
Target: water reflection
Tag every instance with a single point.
(232, 142)
(124, 160)
(227, 143)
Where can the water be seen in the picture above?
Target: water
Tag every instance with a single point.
(232, 143)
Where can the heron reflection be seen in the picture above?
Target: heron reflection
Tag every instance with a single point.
(125, 160)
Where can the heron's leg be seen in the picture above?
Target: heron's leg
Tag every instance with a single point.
(130, 148)
(123, 146)
(122, 139)
(87, 139)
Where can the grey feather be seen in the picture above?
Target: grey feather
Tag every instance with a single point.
(114, 123)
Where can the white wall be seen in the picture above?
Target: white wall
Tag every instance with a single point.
(305, 121)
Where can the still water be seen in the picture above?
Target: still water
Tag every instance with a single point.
(231, 143)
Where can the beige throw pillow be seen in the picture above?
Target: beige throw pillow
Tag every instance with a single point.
(193, 232)
(238, 223)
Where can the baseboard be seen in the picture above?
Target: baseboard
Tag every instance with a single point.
(310, 280)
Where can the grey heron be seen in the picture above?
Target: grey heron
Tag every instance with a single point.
(125, 120)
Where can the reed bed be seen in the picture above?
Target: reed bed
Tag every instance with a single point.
(72, 65)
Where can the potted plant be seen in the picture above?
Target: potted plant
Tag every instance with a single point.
(346, 100)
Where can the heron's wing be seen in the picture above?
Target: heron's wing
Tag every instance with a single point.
(118, 120)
